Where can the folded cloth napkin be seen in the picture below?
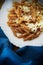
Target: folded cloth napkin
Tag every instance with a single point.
(28, 55)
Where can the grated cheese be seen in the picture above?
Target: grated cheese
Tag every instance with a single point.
(26, 9)
(26, 18)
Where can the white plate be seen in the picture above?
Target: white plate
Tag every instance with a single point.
(18, 42)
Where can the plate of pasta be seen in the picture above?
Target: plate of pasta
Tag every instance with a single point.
(22, 22)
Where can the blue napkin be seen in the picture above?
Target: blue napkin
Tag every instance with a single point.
(28, 55)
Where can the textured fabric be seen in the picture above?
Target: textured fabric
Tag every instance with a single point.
(28, 55)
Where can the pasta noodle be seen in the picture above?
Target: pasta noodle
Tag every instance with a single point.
(26, 20)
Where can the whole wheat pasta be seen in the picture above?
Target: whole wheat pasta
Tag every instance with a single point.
(23, 35)
(13, 25)
(29, 37)
(20, 30)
